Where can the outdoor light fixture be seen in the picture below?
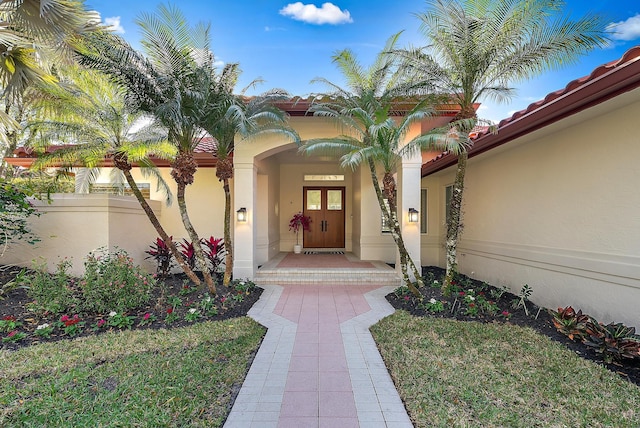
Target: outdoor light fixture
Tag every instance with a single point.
(242, 214)
(413, 215)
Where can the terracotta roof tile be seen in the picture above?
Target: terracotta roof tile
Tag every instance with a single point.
(604, 82)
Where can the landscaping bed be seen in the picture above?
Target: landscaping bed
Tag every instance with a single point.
(504, 311)
(169, 306)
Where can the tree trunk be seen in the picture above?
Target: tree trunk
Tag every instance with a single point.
(156, 224)
(195, 239)
(228, 245)
(392, 220)
(454, 223)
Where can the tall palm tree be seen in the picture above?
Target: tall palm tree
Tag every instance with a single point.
(248, 118)
(89, 111)
(375, 131)
(477, 49)
(175, 83)
(34, 35)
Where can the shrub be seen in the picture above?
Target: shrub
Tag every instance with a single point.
(571, 323)
(214, 252)
(14, 212)
(188, 252)
(53, 293)
(113, 283)
(613, 341)
(162, 255)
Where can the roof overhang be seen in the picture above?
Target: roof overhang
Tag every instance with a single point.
(604, 83)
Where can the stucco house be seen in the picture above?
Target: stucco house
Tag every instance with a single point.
(551, 201)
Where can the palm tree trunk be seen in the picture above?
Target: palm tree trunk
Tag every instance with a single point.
(228, 245)
(195, 239)
(156, 224)
(396, 233)
(454, 223)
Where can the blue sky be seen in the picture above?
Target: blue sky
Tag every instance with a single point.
(289, 43)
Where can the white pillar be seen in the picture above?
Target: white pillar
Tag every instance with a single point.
(245, 185)
(409, 177)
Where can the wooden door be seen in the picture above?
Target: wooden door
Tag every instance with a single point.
(325, 207)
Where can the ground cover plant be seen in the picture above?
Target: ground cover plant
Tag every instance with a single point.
(476, 301)
(119, 345)
(185, 376)
(459, 373)
(112, 295)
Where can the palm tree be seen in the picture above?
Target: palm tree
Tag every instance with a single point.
(248, 118)
(176, 84)
(477, 49)
(375, 131)
(89, 110)
(34, 34)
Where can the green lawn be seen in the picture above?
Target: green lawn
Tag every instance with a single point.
(466, 374)
(145, 378)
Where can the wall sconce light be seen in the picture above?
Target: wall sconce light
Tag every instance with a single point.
(241, 214)
(414, 215)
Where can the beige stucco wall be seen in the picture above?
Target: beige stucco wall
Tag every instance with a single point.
(374, 244)
(205, 202)
(557, 210)
(72, 226)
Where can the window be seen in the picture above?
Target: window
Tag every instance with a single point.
(423, 210)
(114, 189)
(448, 194)
(324, 177)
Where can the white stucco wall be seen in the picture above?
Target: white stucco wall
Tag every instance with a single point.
(557, 210)
(72, 226)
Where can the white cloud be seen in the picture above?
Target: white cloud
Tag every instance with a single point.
(327, 14)
(114, 24)
(625, 30)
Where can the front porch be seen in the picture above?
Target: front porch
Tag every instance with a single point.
(325, 269)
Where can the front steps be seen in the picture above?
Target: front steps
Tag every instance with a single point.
(380, 273)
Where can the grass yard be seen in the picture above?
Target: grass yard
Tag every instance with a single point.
(142, 378)
(470, 374)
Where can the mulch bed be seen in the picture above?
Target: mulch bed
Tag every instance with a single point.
(15, 304)
(542, 323)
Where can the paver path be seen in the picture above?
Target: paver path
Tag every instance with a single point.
(318, 365)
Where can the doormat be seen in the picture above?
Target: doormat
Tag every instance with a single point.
(324, 252)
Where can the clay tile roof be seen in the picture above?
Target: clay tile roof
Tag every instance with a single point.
(605, 82)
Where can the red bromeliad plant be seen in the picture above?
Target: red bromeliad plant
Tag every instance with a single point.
(214, 251)
(297, 222)
(188, 252)
(571, 323)
(161, 253)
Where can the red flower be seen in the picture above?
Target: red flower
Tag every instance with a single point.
(406, 297)
(9, 318)
(461, 293)
(64, 318)
(146, 316)
(71, 321)
(101, 323)
(170, 311)
(223, 299)
(472, 305)
(13, 333)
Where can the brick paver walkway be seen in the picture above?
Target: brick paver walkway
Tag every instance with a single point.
(318, 365)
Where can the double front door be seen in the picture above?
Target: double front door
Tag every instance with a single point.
(325, 207)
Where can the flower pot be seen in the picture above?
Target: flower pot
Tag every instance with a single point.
(297, 249)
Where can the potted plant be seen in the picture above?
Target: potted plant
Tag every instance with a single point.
(297, 222)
